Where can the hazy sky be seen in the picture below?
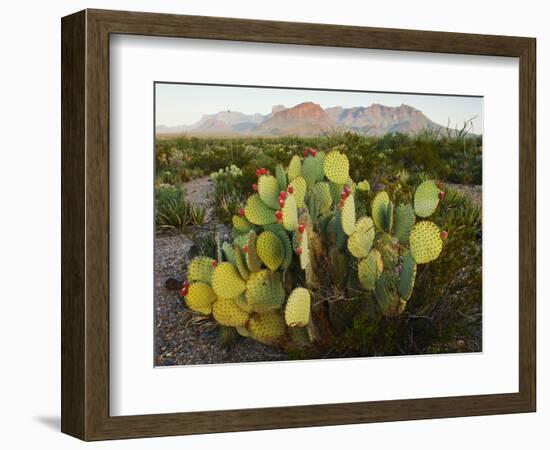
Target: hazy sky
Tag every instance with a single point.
(180, 104)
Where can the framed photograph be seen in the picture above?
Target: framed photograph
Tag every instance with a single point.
(273, 225)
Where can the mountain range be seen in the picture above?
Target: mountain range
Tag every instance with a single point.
(309, 119)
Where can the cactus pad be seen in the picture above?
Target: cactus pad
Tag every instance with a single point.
(360, 242)
(369, 269)
(281, 177)
(297, 310)
(227, 313)
(407, 276)
(404, 221)
(348, 215)
(240, 262)
(200, 298)
(274, 227)
(226, 281)
(287, 260)
(313, 170)
(363, 186)
(268, 328)
(268, 190)
(265, 291)
(240, 301)
(388, 223)
(200, 269)
(240, 239)
(389, 249)
(270, 249)
(251, 256)
(290, 213)
(426, 198)
(341, 237)
(243, 331)
(425, 242)
(300, 187)
(389, 301)
(321, 190)
(379, 206)
(241, 225)
(227, 250)
(336, 167)
(303, 242)
(294, 168)
(335, 191)
(257, 212)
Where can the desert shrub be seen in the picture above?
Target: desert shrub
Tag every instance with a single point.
(229, 191)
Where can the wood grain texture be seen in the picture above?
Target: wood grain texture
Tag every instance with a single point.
(85, 224)
(73, 112)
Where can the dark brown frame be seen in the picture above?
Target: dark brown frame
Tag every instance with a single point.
(85, 224)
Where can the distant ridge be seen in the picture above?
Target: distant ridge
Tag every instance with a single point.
(310, 119)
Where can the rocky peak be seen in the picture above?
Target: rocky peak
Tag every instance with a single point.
(306, 110)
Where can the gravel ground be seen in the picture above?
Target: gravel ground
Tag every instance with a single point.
(181, 336)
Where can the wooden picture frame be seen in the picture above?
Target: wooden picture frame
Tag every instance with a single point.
(85, 224)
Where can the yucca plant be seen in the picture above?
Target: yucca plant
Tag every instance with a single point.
(174, 211)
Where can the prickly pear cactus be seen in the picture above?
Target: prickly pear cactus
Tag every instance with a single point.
(336, 167)
(226, 281)
(268, 328)
(200, 298)
(257, 212)
(270, 250)
(298, 306)
(299, 252)
(227, 313)
(200, 269)
(426, 242)
(426, 198)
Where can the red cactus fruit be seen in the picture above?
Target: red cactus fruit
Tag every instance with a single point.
(245, 248)
(258, 172)
(215, 263)
(241, 212)
(255, 187)
(340, 204)
(441, 195)
(184, 292)
(282, 202)
(186, 284)
(299, 250)
(301, 227)
(282, 195)
(347, 189)
(444, 235)
(290, 189)
(313, 152)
